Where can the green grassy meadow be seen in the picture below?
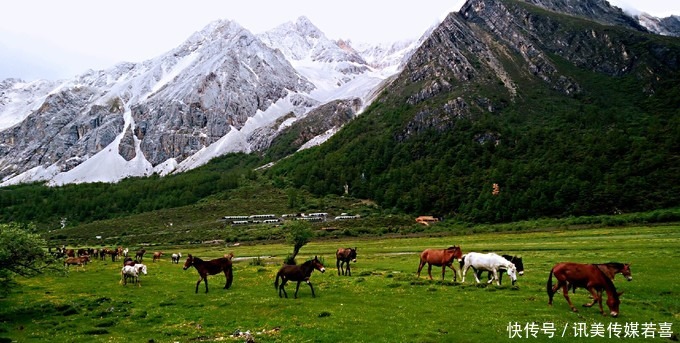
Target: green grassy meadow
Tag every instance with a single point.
(383, 300)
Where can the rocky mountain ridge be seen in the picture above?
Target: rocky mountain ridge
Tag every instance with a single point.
(223, 90)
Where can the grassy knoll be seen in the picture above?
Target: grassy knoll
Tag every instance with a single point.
(383, 301)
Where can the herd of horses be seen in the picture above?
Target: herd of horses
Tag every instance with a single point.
(596, 278)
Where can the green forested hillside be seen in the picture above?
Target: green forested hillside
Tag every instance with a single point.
(599, 134)
(610, 147)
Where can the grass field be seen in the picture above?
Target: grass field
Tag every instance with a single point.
(383, 301)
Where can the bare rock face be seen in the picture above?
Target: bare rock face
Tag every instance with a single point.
(490, 46)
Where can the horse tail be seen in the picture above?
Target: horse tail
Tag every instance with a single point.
(230, 275)
(276, 282)
(549, 286)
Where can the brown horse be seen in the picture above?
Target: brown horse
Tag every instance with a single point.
(588, 276)
(211, 267)
(157, 256)
(610, 269)
(440, 257)
(344, 256)
(77, 261)
(297, 273)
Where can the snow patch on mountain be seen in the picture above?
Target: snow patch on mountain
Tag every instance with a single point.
(223, 90)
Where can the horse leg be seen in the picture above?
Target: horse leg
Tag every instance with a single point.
(455, 273)
(443, 271)
(347, 270)
(565, 292)
(312, 287)
(429, 270)
(476, 278)
(420, 266)
(464, 272)
(281, 289)
(338, 264)
(597, 297)
(494, 275)
(297, 288)
(205, 281)
(198, 283)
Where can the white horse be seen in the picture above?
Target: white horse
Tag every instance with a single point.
(176, 257)
(125, 252)
(490, 262)
(132, 273)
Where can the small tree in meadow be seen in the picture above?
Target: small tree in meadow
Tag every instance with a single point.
(298, 233)
(21, 254)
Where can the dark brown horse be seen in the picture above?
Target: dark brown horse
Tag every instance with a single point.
(344, 256)
(588, 276)
(211, 267)
(440, 258)
(139, 256)
(297, 273)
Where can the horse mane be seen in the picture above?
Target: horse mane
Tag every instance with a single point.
(615, 264)
(609, 282)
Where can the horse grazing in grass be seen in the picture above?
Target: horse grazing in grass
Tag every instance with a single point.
(297, 273)
(440, 257)
(610, 269)
(588, 276)
(211, 267)
(132, 273)
(176, 257)
(517, 261)
(77, 261)
(490, 262)
(157, 256)
(344, 256)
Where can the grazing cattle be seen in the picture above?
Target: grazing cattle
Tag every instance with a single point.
(489, 262)
(587, 276)
(77, 261)
(211, 267)
(139, 256)
(297, 273)
(440, 257)
(344, 256)
(176, 257)
(157, 256)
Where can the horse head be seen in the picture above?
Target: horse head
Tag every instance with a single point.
(456, 252)
(317, 265)
(189, 262)
(353, 254)
(626, 272)
(512, 272)
(141, 268)
(613, 304)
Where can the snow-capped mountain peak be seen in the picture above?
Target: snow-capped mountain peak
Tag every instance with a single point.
(223, 90)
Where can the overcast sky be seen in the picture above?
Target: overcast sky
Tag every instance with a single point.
(51, 39)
